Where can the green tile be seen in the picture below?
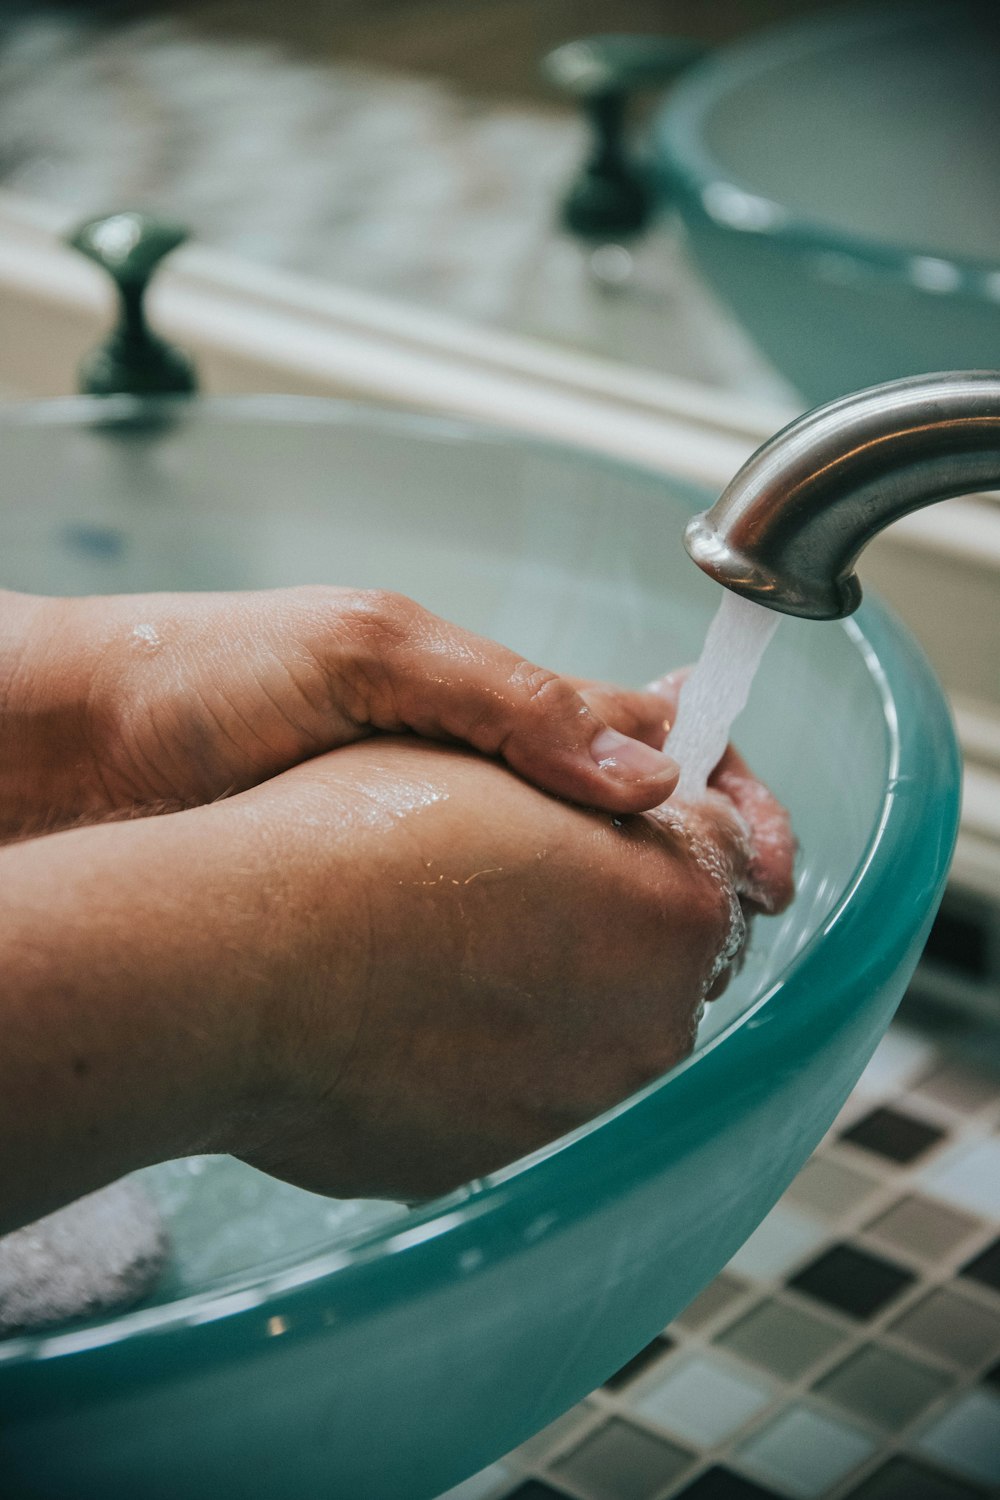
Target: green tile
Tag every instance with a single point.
(888, 1389)
(702, 1400)
(921, 1227)
(961, 1088)
(782, 1339)
(829, 1188)
(805, 1452)
(966, 1438)
(557, 1434)
(621, 1462)
(718, 1297)
(951, 1326)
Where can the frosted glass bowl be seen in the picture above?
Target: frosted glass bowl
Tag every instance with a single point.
(837, 177)
(301, 1348)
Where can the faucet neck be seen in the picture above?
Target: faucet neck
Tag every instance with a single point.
(789, 527)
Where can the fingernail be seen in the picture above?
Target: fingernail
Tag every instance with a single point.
(618, 753)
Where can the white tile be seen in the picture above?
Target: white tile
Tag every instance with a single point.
(703, 1400)
(968, 1175)
(967, 1437)
(786, 1236)
(805, 1453)
(900, 1057)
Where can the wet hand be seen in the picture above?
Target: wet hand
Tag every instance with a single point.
(152, 702)
(384, 971)
(522, 964)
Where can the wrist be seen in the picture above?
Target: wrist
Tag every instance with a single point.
(313, 907)
(47, 764)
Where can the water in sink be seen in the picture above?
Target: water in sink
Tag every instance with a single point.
(226, 1219)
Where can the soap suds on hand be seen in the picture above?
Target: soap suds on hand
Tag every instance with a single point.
(102, 1252)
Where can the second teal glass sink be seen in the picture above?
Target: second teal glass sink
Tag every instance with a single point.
(837, 177)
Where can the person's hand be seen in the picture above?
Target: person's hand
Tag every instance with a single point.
(521, 964)
(147, 703)
(768, 884)
(384, 971)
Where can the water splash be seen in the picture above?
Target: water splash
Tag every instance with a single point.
(717, 690)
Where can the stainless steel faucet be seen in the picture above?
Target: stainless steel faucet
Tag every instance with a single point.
(789, 527)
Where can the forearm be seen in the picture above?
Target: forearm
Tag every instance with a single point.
(139, 962)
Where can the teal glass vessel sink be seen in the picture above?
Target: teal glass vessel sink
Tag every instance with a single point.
(837, 178)
(298, 1347)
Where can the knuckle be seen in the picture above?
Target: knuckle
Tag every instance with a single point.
(541, 690)
(383, 621)
(381, 628)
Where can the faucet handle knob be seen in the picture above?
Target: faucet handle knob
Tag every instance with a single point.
(611, 196)
(132, 360)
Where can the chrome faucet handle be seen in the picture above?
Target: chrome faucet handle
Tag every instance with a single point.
(788, 529)
(132, 360)
(611, 197)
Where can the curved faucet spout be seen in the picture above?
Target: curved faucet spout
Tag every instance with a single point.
(788, 528)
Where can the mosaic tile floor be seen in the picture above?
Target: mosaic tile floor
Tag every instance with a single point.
(851, 1349)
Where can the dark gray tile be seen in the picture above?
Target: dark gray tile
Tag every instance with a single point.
(853, 1281)
(535, 1490)
(719, 1483)
(985, 1267)
(901, 1479)
(893, 1135)
(640, 1362)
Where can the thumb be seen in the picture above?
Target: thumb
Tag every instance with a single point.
(438, 680)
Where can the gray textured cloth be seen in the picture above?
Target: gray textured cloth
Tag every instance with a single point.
(102, 1252)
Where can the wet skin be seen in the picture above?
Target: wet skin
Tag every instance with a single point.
(385, 969)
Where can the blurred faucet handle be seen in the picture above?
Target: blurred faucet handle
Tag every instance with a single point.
(133, 360)
(610, 196)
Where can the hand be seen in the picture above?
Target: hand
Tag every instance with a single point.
(523, 964)
(383, 972)
(143, 703)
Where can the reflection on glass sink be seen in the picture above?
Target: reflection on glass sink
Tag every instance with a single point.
(229, 1223)
(307, 1348)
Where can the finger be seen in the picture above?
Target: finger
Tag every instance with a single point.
(713, 832)
(419, 672)
(735, 965)
(668, 688)
(715, 845)
(642, 715)
(769, 877)
(769, 874)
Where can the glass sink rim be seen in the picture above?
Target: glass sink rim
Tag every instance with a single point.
(486, 1196)
(684, 156)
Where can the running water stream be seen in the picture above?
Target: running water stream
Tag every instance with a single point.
(718, 688)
